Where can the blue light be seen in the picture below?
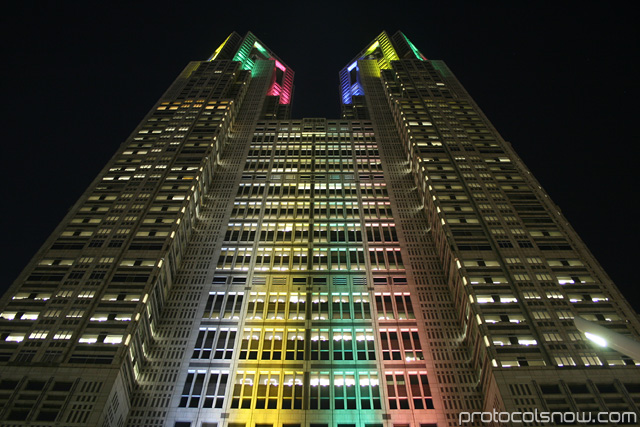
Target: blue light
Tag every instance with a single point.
(346, 97)
(356, 89)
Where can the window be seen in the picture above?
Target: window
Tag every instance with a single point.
(38, 335)
(394, 306)
(385, 259)
(243, 390)
(292, 389)
(216, 342)
(63, 335)
(361, 306)
(266, 386)
(369, 388)
(344, 390)
(342, 344)
(280, 306)
(381, 232)
(267, 390)
(192, 390)
(417, 393)
(319, 306)
(401, 345)
(564, 360)
(297, 305)
(319, 393)
(223, 305)
(345, 344)
(347, 391)
(295, 344)
(340, 306)
(320, 344)
(364, 345)
(235, 258)
(351, 390)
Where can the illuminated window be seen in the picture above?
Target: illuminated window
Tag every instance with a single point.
(62, 335)
(344, 390)
(319, 390)
(340, 306)
(88, 339)
(297, 306)
(319, 306)
(292, 389)
(320, 344)
(112, 339)
(564, 360)
(295, 344)
(14, 337)
(38, 335)
(8, 315)
(365, 344)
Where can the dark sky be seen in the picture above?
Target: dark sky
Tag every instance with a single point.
(559, 82)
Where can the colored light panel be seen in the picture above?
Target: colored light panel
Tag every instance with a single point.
(384, 62)
(280, 66)
(372, 48)
(415, 50)
(242, 56)
(275, 90)
(261, 49)
(219, 49)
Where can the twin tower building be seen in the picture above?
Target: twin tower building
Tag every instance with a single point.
(233, 267)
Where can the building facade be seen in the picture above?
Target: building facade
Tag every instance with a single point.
(232, 266)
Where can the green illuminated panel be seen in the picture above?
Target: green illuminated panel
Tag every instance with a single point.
(262, 49)
(415, 50)
(242, 55)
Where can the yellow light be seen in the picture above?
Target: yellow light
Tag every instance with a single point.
(372, 48)
(219, 49)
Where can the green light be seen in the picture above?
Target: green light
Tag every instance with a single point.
(262, 49)
(242, 55)
(415, 50)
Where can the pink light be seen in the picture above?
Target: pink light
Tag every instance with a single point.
(279, 65)
(284, 91)
(275, 90)
(285, 96)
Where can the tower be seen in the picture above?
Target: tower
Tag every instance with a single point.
(231, 266)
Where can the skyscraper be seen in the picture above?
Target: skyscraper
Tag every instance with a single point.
(231, 266)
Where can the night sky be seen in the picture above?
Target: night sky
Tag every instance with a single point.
(559, 82)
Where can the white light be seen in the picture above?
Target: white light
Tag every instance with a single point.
(596, 339)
